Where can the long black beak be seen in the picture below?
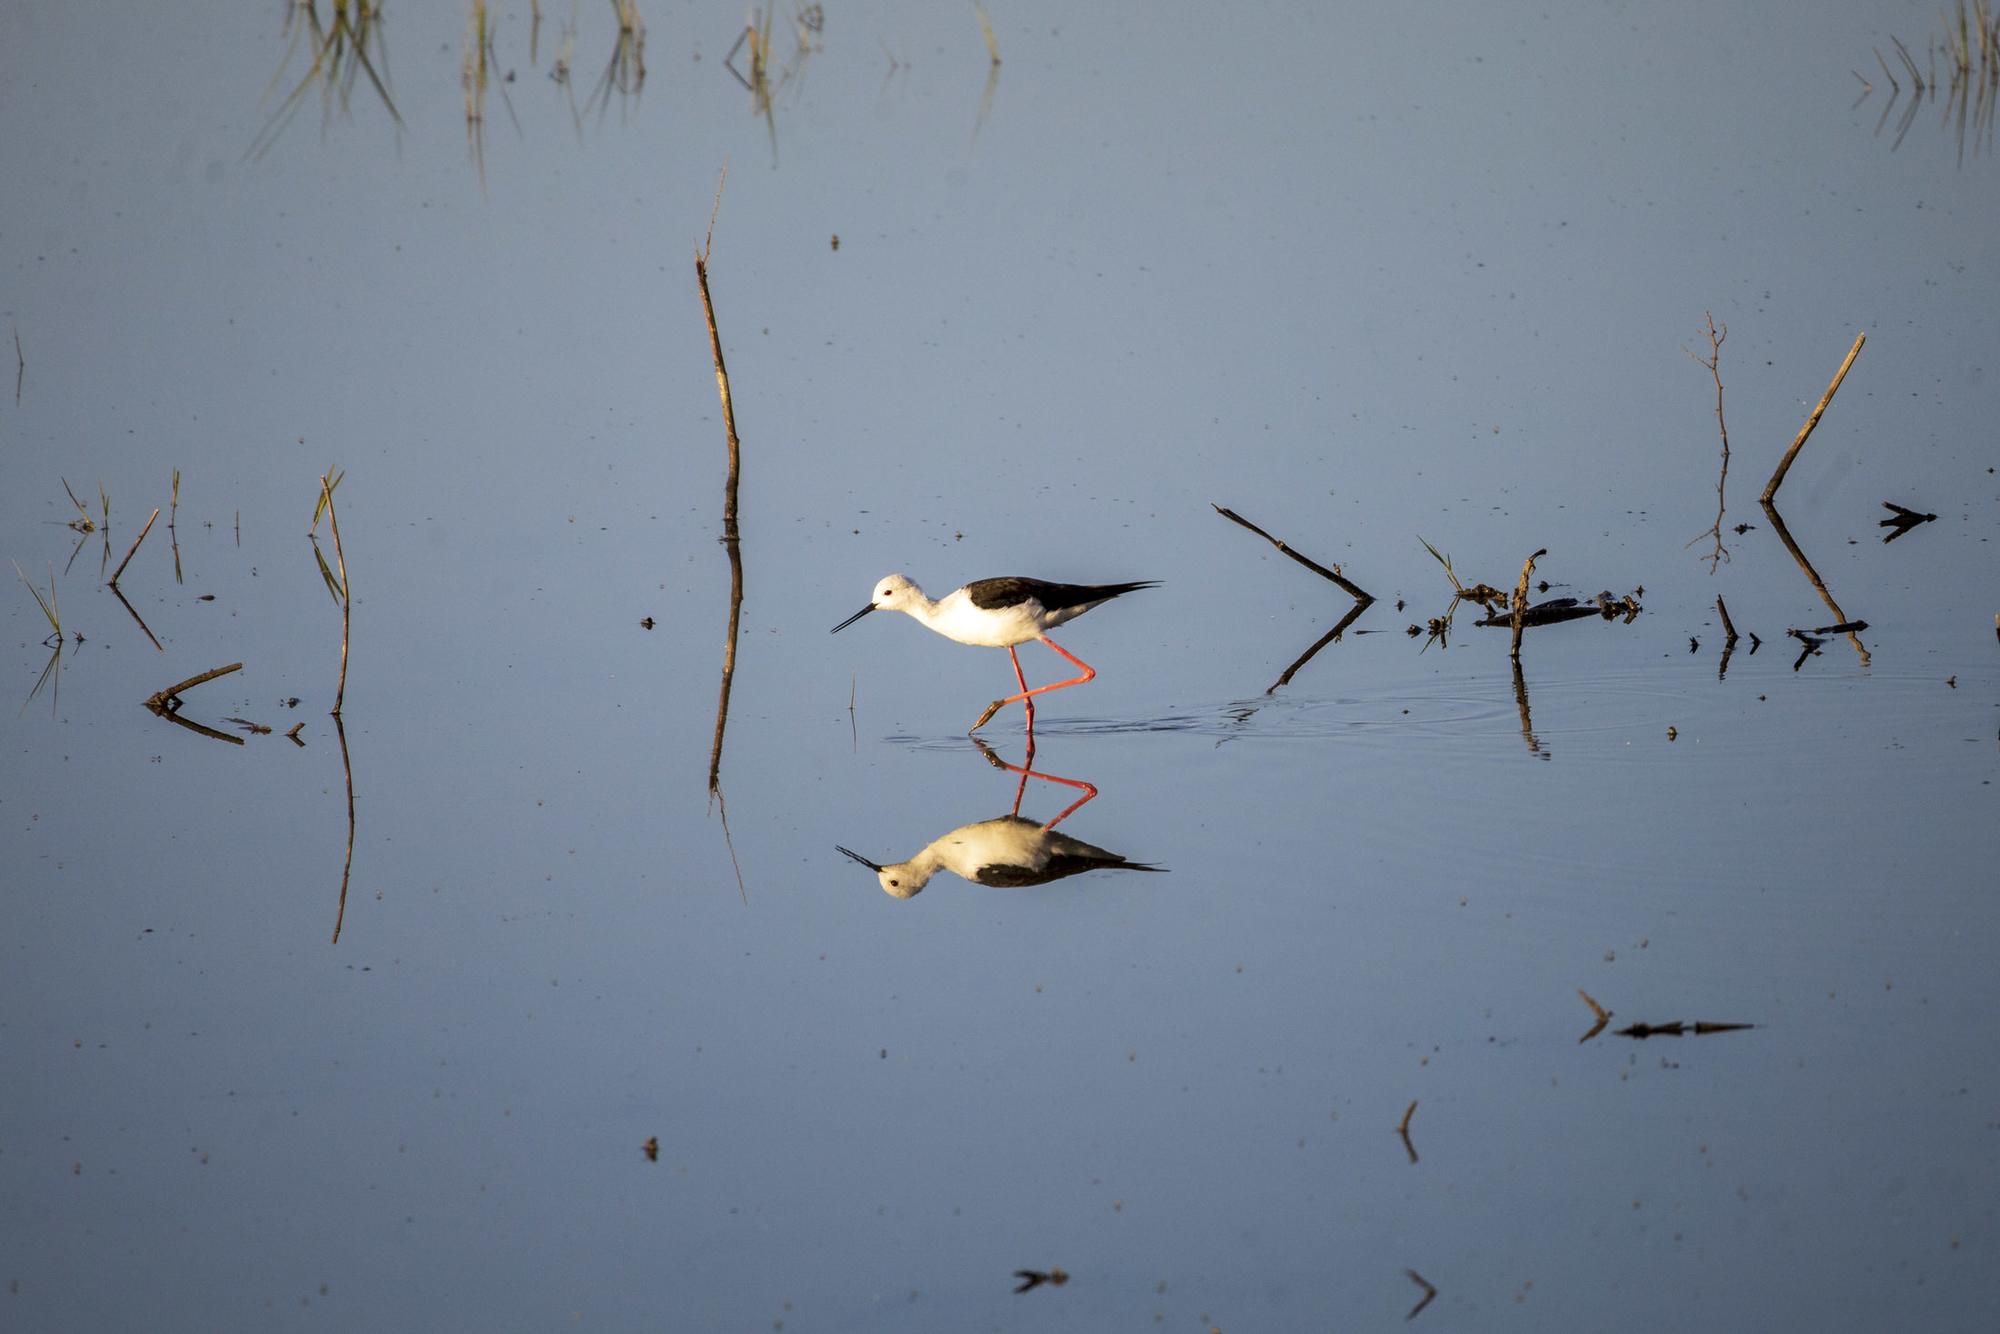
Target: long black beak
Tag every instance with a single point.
(852, 619)
(873, 866)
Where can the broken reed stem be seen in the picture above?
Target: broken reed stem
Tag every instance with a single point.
(161, 697)
(1728, 626)
(346, 598)
(721, 371)
(1784, 464)
(1408, 1112)
(1347, 586)
(1521, 599)
(135, 547)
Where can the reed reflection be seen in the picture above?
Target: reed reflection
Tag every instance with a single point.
(1008, 851)
(338, 54)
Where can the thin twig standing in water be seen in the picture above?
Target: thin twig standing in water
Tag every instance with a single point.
(1784, 464)
(1348, 586)
(346, 594)
(721, 372)
(1363, 599)
(731, 539)
(1521, 598)
(173, 533)
(1712, 361)
(135, 547)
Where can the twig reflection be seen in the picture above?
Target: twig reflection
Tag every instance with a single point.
(1812, 577)
(167, 703)
(1527, 720)
(347, 865)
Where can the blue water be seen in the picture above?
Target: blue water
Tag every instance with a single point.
(1369, 280)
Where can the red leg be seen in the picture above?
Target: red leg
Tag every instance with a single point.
(1027, 696)
(1026, 703)
(1089, 673)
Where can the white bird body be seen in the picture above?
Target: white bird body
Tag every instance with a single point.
(995, 613)
(999, 613)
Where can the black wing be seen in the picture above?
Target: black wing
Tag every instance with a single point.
(1012, 590)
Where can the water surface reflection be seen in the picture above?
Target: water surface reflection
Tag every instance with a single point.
(1008, 851)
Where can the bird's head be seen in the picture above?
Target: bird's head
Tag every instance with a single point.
(892, 593)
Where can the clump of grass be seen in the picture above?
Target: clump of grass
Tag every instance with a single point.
(51, 607)
(326, 490)
(83, 523)
(336, 584)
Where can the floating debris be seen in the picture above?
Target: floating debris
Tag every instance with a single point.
(1603, 1015)
(1678, 1029)
(1902, 520)
(1430, 1293)
(1403, 1130)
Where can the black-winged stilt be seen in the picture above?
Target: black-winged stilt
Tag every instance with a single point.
(1000, 613)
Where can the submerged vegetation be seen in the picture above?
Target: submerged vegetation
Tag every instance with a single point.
(338, 56)
(1962, 67)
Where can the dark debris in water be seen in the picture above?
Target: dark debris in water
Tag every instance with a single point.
(1034, 1278)
(1902, 520)
(1677, 1029)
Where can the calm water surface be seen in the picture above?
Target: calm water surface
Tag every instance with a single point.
(1370, 279)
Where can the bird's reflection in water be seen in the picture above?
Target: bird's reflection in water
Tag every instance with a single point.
(1007, 852)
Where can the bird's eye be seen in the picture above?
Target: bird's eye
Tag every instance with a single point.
(895, 883)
